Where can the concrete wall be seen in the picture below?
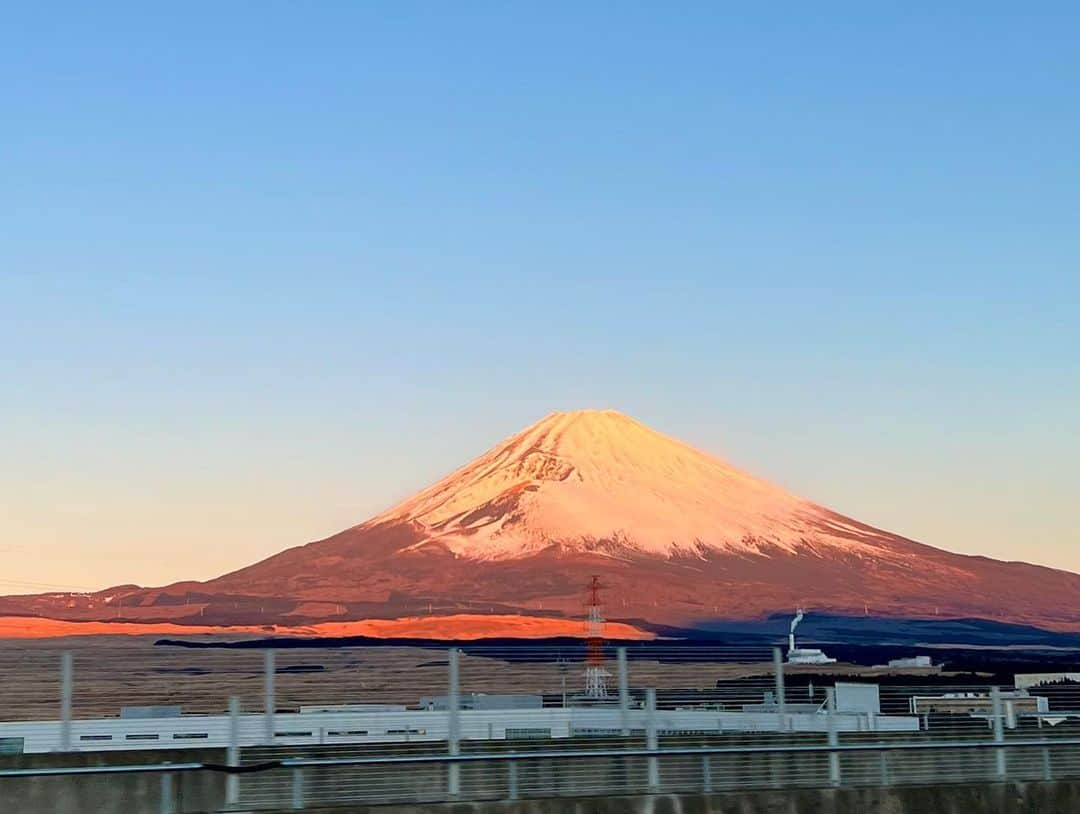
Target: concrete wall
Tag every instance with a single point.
(205, 791)
(110, 794)
(1003, 798)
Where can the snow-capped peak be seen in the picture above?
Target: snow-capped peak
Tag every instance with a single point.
(600, 480)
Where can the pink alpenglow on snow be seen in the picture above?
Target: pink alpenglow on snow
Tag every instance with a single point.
(597, 475)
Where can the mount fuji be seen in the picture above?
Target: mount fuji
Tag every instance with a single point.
(678, 537)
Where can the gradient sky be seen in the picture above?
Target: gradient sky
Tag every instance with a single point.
(267, 268)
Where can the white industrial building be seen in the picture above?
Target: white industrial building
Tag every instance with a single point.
(911, 663)
(856, 711)
(980, 704)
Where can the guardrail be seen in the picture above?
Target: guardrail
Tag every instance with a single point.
(504, 769)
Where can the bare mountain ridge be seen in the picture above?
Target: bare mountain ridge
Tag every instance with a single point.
(679, 537)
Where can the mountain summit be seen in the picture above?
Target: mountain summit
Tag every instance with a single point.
(678, 538)
(599, 480)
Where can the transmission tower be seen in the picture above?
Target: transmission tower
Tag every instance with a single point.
(595, 675)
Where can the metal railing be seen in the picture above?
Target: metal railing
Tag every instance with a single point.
(607, 771)
(288, 728)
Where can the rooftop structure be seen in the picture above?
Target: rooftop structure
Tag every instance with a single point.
(980, 704)
(485, 701)
(915, 662)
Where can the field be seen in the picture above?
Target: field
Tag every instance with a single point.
(115, 671)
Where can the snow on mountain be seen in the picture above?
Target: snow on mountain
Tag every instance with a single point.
(594, 479)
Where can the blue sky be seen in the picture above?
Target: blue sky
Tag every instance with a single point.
(266, 268)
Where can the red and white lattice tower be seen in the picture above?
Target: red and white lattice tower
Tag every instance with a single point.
(595, 675)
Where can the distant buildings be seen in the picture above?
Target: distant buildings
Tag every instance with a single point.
(484, 701)
(1026, 681)
(1011, 703)
(481, 717)
(913, 663)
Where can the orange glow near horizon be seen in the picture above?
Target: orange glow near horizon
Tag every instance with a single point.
(462, 627)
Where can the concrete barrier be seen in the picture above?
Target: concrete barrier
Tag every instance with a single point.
(205, 792)
(115, 793)
(978, 798)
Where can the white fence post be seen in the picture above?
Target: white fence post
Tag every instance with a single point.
(781, 701)
(297, 788)
(999, 732)
(232, 755)
(67, 677)
(834, 740)
(652, 740)
(166, 793)
(512, 780)
(269, 703)
(453, 723)
(624, 692)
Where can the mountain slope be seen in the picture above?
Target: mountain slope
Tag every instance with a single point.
(678, 538)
